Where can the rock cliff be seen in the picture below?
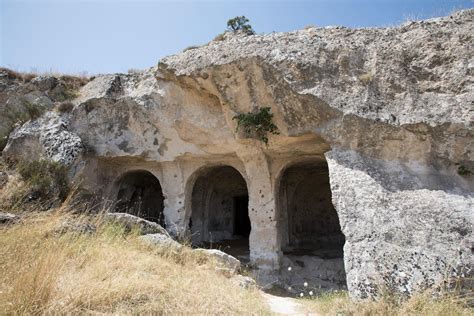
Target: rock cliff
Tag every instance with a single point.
(389, 111)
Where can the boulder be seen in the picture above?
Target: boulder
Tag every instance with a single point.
(46, 137)
(76, 228)
(8, 218)
(44, 83)
(161, 240)
(225, 262)
(245, 282)
(130, 222)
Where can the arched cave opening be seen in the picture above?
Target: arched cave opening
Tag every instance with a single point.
(139, 193)
(310, 232)
(220, 217)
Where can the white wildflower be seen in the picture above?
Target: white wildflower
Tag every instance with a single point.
(301, 294)
(305, 284)
(311, 293)
(289, 268)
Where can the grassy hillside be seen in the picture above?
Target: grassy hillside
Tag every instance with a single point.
(46, 270)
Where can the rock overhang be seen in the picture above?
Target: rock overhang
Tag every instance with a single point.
(389, 109)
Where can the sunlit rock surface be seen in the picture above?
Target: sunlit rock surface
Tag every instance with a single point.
(386, 114)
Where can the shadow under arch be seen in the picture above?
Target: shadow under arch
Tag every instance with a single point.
(309, 229)
(218, 210)
(139, 192)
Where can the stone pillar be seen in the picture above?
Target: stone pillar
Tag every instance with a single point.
(173, 186)
(264, 239)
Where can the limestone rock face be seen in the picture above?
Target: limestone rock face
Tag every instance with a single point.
(410, 238)
(387, 111)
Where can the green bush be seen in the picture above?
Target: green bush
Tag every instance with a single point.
(240, 23)
(463, 171)
(258, 123)
(46, 178)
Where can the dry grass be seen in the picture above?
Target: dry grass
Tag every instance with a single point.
(32, 186)
(72, 81)
(64, 107)
(219, 37)
(107, 272)
(366, 78)
(14, 75)
(422, 304)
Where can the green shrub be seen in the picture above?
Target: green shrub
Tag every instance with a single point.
(45, 177)
(463, 171)
(240, 23)
(258, 124)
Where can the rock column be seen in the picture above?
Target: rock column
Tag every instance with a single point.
(264, 241)
(173, 190)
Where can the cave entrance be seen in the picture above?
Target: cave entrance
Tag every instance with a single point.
(241, 216)
(220, 218)
(311, 235)
(139, 193)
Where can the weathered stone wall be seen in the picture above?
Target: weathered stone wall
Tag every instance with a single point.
(389, 109)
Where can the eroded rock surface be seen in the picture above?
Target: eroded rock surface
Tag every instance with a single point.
(388, 110)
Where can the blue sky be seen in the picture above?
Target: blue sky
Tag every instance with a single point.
(103, 36)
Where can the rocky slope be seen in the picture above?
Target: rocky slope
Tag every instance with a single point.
(389, 109)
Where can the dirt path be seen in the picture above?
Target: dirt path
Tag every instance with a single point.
(284, 305)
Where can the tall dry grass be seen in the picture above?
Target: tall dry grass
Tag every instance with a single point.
(46, 270)
(339, 303)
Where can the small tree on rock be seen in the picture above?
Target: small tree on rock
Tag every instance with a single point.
(240, 23)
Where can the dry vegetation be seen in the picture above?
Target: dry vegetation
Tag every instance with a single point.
(108, 271)
(14, 75)
(339, 303)
(33, 186)
(74, 81)
(47, 269)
